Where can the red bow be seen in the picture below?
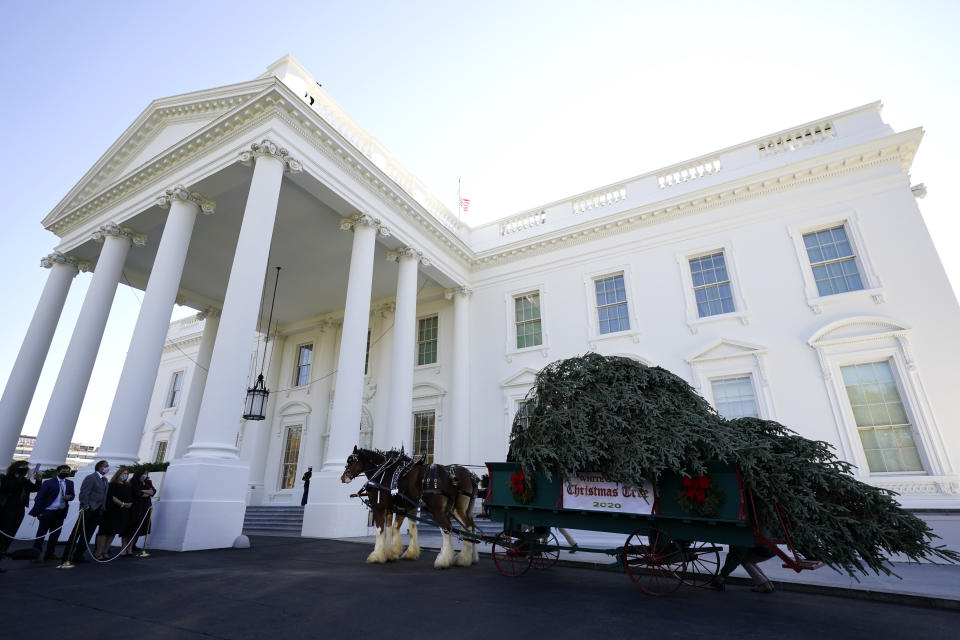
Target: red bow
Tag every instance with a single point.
(697, 488)
(518, 483)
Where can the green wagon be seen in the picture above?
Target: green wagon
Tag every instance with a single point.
(674, 530)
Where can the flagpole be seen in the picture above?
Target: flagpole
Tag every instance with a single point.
(459, 201)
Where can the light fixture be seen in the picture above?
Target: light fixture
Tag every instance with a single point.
(256, 403)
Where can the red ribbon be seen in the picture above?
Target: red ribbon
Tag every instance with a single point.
(697, 488)
(518, 483)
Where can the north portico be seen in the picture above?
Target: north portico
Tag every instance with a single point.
(199, 197)
(770, 275)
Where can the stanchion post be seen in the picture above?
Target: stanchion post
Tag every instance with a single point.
(68, 561)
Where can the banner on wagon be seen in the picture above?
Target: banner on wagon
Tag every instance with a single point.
(592, 492)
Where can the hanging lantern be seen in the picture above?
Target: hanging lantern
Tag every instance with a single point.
(254, 408)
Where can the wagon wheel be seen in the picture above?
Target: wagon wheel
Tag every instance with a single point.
(547, 551)
(511, 555)
(703, 563)
(653, 561)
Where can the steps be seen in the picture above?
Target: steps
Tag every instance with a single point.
(273, 521)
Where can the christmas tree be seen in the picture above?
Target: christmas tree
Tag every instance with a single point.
(633, 422)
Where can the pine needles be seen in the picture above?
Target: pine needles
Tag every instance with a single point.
(633, 422)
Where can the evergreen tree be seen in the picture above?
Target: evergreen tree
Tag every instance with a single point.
(632, 422)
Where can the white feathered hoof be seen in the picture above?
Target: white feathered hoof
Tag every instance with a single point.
(445, 557)
(465, 557)
(377, 556)
(412, 553)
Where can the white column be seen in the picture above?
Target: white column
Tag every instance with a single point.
(347, 399)
(191, 407)
(121, 437)
(222, 405)
(204, 493)
(22, 383)
(60, 419)
(404, 344)
(330, 512)
(459, 448)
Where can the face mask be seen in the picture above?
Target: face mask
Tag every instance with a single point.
(106, 471)
(21, 471)
(124, 477)
(63, 476)
(145, 478)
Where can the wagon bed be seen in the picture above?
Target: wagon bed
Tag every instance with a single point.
(667, 543)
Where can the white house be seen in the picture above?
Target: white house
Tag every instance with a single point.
(789, 277)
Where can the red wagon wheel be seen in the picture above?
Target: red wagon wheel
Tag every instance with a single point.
(653, 561)
(511, 555)
(703, 563)
(548, 551)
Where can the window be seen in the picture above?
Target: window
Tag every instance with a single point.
(711, 285)
(524, 413)
(161, 452)
(301, 376)
(733, 397)
(424, 423)
(612, 304)
(832, 260)
(291, 453)
(427, 340)
(882, 423)
(366, 356)
(176, 385)
(527, 314)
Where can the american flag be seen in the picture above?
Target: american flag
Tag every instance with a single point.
(465, 204)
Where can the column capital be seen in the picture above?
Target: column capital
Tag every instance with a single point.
(384, 309)
(208, 312)
(363, 220)
(267, 147)
(394, 255)
(117, 231)
(457, 291)
(180, 192)
(58, 258)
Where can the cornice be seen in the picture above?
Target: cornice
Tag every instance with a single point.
(899, 148)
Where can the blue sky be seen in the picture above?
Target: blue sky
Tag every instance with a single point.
(528, 101)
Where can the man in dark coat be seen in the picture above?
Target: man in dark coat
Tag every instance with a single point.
(50, 508)
(93, 502)
(306, 486)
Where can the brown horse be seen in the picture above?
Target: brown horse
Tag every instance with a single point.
(398, 485)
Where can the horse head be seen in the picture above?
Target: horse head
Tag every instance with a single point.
(358, 462)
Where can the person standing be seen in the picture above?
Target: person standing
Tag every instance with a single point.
(50, 508)
(306, 486)
(143, 492)
(116, 518)
(15, 490)
(93, 501)
(749, 557)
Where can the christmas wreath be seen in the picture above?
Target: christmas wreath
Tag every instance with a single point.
(697, 498)
(522, 487)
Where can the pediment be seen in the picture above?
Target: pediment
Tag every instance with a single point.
(524, 378)
(856, 328)
(723, 349)
(428, 390)
(163, 427)
(165, 123)
(295, 409)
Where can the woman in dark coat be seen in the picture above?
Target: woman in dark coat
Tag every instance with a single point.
(116, 519)
(143, 491)
(15, 490)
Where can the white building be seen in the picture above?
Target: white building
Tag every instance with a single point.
(790, 277)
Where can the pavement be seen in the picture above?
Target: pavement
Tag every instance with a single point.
(916, 584)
